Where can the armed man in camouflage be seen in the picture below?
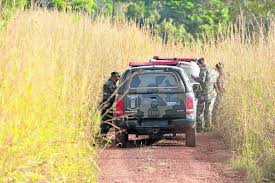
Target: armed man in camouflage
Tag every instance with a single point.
(220, 90)
(220, 80)
(107, 102)
(203, 99)
(212, 95)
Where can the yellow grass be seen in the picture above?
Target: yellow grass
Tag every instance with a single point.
(247, 118)
(52, 69)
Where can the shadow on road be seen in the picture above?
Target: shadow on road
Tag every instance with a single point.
(163, 141)
(141, 142)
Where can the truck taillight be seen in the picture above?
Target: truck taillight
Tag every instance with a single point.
(119, 109)
(189, 104)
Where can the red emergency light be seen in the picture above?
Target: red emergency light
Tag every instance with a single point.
(136, 64)
(175, 59)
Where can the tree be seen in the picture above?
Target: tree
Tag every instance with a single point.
(77, 5)
(136, 11)
(178, 19)
(104, 7)
(7, 8)
(259, 9)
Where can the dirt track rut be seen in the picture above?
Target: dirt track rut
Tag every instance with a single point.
(167, 161)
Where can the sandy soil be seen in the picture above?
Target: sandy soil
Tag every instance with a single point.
(168, 160)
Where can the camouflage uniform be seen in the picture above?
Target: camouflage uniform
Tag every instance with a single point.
(109, 88)
(220, 90)
(162, 105)
(212, 94)
(203, 79)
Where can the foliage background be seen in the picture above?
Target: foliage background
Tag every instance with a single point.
(177, 20)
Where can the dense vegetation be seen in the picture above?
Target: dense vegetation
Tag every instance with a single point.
(49, 94)
(179, 20)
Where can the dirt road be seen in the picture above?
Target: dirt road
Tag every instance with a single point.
(168, 161)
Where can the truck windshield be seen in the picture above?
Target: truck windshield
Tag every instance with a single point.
(149, 80)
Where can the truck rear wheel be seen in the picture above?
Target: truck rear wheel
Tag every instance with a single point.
(121, 138)
(191, 137)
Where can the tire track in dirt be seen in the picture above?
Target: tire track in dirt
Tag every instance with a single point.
(169, 160)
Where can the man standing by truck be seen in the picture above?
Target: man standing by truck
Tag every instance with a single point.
(107, 102)
(212, 96)
(203, 99)
(220, 90)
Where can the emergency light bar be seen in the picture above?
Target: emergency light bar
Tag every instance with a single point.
(176, 59)
(136, 64)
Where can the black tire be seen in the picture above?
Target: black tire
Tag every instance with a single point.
(191, 137)
(121, 138)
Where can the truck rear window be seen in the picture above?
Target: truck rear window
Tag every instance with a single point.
(149, 80)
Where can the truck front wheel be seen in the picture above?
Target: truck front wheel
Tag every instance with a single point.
(121, 138)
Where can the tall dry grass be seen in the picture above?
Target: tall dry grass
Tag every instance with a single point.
(52, 69)
(246, 119)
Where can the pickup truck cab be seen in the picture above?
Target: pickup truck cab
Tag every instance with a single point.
(155, 98)
(189, 65)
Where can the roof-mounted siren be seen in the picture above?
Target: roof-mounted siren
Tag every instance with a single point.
(174, 58)
(139, 64)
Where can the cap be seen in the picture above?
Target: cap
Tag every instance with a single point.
(201, 62)
(219, 66)
(115, 74)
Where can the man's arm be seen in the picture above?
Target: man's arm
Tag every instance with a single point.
(201, 78)
(220, 84)
(105, 92)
